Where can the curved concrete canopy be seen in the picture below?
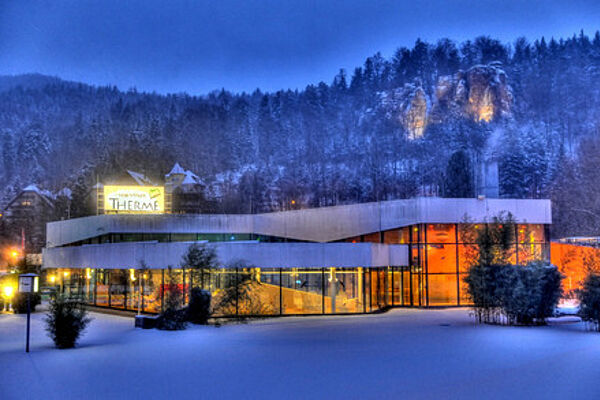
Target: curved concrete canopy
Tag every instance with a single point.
(324, 224)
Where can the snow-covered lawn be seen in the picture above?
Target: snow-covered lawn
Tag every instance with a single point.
(401, 354)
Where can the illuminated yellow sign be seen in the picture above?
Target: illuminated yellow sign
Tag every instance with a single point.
(134, 199)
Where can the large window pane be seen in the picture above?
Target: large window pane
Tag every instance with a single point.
(396, 236)
(133, 290)
(442, 290)
(118, 287)
(259, 291)
(406, 287)
(222, 283)
(343, 290)
(441, 233)
(102, 287)
(441, 258)
(416, 234)
(302, 291)
(152, 290)
(397, 287)
(372, 238)
(531, 233)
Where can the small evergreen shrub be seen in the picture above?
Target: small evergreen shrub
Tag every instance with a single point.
(589, 297)
(66, 320)
(514, 294)
(198, 310)
(19, 302)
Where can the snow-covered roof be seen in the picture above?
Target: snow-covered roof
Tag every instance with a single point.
(140, 179)
(32, 188)
(177, 169)
(46, 195)
(65, 192)
(189, 180)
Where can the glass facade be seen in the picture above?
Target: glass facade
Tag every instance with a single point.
(243, 291)
(439, 256)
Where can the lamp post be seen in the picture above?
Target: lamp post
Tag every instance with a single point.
(28, 283)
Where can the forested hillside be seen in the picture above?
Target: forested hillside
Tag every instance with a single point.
(393, 128)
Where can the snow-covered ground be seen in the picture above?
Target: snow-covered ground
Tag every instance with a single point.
(402, 354)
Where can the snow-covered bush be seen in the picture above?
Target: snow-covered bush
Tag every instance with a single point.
(66, 320)
(198, 310)
(590, 300)
(529, 294)
(19, 302)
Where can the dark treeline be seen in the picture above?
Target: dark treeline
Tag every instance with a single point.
(354, 139)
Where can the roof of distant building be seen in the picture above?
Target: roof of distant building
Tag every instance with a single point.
(177, 169)
(140, 179)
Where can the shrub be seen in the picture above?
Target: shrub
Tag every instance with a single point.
(590, 300)
(173, 316)
(513, 293)
(19, 302)
(66, 320)
(198, 310)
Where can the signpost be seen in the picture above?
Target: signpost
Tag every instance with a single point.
(28, 283)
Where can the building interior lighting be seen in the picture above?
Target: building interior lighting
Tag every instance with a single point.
(8, 291)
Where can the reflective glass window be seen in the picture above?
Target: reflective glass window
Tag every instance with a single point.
(441, 233)
(441, 258)
(302, 291)
(442, 289)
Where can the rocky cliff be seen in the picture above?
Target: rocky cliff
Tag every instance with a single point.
(481, 93)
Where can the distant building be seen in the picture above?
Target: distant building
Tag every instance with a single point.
(184, 191)
(26, 215)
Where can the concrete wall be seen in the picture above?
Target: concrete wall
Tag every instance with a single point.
(267, 255)
(318, 225)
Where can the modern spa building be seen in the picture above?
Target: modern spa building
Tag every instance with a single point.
(333, 260)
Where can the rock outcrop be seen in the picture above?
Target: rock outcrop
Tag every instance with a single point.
(410, 106)
(481, 93)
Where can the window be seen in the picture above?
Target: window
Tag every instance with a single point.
(533, 233)
(441, 258)
(302, 291)
(441, 233)
(442, 289)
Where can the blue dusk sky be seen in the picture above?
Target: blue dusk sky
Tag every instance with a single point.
(199, 46)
